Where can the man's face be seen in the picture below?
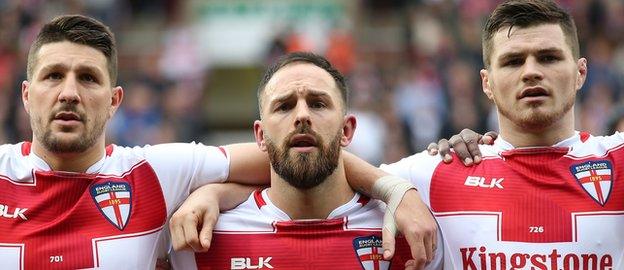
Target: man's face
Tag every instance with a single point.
(303, 125)
(533, 76)
(69, 98)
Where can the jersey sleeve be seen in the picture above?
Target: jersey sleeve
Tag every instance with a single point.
(417, 169)
(183, 167)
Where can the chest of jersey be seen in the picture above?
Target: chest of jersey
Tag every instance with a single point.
(532, 209)
(301, 245)
(71, 221)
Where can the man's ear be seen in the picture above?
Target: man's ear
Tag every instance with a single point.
(581, 65)
(485, 84)
(25, 92)
(116, 99)
(348, 130)
(259, 135)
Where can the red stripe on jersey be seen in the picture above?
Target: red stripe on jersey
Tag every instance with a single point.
(584, 136)
(109, 150)
(363, 200)
(258, 198)
(26, 148)
(223, 151)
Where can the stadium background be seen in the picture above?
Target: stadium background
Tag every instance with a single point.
(190, 67)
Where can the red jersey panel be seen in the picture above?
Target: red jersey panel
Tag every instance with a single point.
(110, 217)
(559, 207)
(258, 235)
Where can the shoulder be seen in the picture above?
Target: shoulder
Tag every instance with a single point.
(14, 162)
(246, 217)
(598, 146)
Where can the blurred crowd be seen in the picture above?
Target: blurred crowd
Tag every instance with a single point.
(412, 67)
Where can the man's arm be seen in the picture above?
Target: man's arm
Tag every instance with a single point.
(248, 165)
(412, 216)
(202, 208)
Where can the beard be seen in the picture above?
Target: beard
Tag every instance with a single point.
(305, 170)
(81, 143)
(533, 119)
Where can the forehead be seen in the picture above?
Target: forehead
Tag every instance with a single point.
(523, 39)
(301, 77)
(71, 55)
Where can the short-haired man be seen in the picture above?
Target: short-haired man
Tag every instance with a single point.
(309, 218)
(69, 201)
(543, 196)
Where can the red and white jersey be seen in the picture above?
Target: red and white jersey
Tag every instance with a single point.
(258, 235)
(110, 217)
(559, 207)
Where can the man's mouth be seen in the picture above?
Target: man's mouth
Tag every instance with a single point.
(533, 93)
(67, 118)
(303, 142)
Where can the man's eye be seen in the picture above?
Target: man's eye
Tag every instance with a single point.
(513, 62)
(318, 105)
(88, 78)
(549, 58)
(54, 76)
(283, 107)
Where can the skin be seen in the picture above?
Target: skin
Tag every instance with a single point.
(69, 73)
(304, 93)
(533, 59)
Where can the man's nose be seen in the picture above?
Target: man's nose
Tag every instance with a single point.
(532, 71)
(302, 113)
(69, 90)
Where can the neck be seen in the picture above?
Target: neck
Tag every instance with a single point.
(518, 136)
(70, 162)
(315, 203)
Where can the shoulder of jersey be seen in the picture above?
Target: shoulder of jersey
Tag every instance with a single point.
(245, 217)
(14, 164)
(370, 216)
(597, 146)
(488, 151)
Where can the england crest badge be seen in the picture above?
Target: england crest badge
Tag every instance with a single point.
(114, 200)
(596, 178)
(370, 253)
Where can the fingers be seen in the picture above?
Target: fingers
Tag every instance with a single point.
(388, 243)
(471, 139)
(205, 235)
(444, 148)
(177, 234)
(432, 149)
(191, 237)
(461, 149)
(488, 137)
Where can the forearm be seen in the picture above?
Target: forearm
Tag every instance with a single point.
(360, 174)
(231, 195)
(248, 165)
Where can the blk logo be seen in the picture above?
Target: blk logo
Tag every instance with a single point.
(7, 212)
(477, 181)
(246, 263)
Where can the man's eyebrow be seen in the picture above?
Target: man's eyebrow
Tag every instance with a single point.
(521, 54)
(57, 66)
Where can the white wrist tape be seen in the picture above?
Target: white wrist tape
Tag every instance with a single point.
(391, 190)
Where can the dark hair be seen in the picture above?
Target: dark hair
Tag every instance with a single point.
(526, 13)
(77, 29)
(305, 57)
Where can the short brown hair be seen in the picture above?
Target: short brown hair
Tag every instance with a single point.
(305, 57)
(526, 13)
(77, 29)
